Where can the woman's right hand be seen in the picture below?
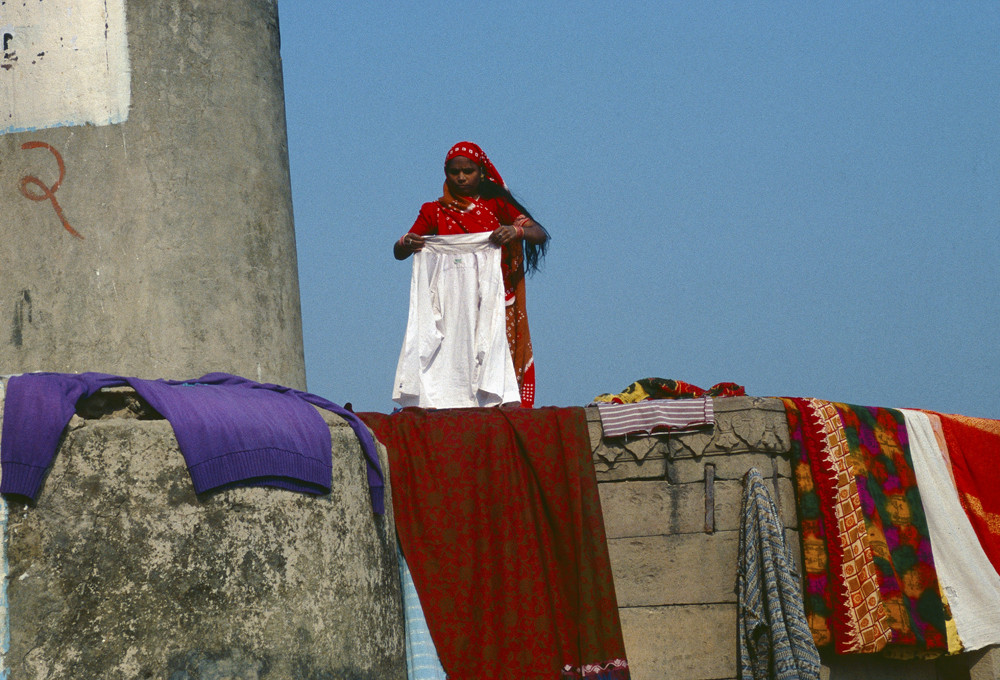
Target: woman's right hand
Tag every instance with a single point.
(413, 242)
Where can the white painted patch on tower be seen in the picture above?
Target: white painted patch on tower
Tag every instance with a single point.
(63, 63)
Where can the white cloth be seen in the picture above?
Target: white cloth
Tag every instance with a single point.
(455, 353)
(967, 577)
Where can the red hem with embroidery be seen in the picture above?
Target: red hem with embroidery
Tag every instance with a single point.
(616, 669)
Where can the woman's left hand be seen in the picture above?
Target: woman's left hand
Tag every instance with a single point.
(506, 233)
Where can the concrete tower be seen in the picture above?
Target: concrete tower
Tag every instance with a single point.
(145, 207)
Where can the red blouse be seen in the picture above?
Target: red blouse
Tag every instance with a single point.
(486, 214)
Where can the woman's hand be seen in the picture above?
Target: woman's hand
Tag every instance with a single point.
(529, 231)
(506, 233)
(413, 242)
(406, 245)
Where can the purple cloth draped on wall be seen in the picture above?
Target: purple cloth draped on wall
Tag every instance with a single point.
(230, 430)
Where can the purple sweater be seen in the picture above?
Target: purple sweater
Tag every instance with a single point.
(230, 430)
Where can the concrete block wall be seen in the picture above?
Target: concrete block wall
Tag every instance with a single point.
(119, 571)
(671, 508)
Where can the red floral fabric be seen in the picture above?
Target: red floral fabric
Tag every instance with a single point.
(499, 518)
(842, 603)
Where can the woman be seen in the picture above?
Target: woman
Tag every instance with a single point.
(476, 200)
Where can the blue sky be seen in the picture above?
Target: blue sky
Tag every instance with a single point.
(803, 198)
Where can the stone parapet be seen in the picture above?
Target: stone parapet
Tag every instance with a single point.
(120, 571)
(743, 425)
(671, 505)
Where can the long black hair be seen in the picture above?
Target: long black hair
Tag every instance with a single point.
(533, 253)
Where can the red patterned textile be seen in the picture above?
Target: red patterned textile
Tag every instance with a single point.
(974, 448)
(499, 518)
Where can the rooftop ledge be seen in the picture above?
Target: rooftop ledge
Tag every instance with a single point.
(754, 427)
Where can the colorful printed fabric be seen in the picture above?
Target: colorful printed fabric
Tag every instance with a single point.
(852, 464)
(655, 415)
(660, 388)
(817, 575)
(842, 601)
(974, 450)
(774, 638)
(897, 526)
(498, 515)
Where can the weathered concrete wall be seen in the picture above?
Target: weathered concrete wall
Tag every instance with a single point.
(119, 571)
(185, 260)
(671, 511)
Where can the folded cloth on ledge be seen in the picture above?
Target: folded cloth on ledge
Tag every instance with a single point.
(500, 521)
(660, 388)
(230, 430)
(870, 577)
(655, 415)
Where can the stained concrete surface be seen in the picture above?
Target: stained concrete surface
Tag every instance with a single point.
(120, 571)
(187, 260)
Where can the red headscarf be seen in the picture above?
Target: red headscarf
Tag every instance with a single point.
(477, 156)
(459, 210)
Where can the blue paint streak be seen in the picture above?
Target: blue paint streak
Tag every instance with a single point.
(66, 123)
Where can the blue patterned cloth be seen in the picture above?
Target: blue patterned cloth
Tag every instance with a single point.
(422, 662)
(774, 638)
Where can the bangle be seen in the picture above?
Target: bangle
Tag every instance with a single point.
(402, 241)
(519, 231)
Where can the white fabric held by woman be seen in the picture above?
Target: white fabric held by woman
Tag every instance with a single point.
(455, 353)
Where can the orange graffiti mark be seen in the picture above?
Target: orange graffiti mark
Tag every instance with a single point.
(48, 193)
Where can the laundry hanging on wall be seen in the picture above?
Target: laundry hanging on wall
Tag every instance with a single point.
(230, 430)
(499, 518)
(870, 580)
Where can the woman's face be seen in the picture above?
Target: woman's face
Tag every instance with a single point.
(463, 176)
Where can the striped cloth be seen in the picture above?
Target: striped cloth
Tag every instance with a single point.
(774, 639)
(655, 415)
(422, 662)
